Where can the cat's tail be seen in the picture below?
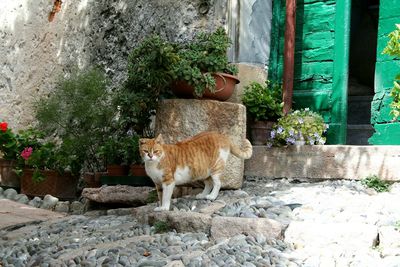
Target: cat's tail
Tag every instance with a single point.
(245, 152)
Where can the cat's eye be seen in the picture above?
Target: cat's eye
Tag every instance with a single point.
(156, 151)
(145, 151)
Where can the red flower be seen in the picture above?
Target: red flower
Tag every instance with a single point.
(26, 153)
(3, 126)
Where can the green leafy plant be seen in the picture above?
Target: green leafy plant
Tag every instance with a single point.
(155, 63)
(8, 142)
(300, 125)
(152, 197)
(79, 115)
(121, 150)
(201, 57)
(393, 49)
(161, 227)
(375, 183)
(263, 102)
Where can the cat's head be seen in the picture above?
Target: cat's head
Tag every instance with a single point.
(151, 149)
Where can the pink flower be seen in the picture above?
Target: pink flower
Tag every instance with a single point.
(26, 153)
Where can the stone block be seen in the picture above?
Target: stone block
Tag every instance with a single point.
(225, 227)
(122, 194)
(317, 235)
(179, 119)
(325, 162)
(389, 241)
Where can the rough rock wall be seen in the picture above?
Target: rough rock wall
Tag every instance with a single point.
(35, 53)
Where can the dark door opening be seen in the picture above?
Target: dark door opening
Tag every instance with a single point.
(363, 43)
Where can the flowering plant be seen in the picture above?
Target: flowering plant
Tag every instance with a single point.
(301, 126)
(8, 142)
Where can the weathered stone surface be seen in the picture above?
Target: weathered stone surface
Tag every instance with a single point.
(247, 73)
(178, 119)
(49, 202)
(181, 221)
(77, 207)
(328, 162)
(317, 235)
(62, 206)
(231, 226)
(389, 241)
(10, 193)
(123, 194)
(36, 52)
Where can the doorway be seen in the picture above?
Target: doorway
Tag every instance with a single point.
(362, 59)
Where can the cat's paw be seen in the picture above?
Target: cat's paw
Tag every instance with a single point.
(161, 209)
(211, 197)
(200, 196)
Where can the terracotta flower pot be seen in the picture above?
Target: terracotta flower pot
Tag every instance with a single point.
(8, 177)
(117, 170)
(260, 132)
(63, 186)
(224, 86)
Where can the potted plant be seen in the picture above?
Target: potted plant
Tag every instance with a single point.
(264, 107)
(9, 152)
(202, 69)
(300, 127)
(46, 168)
(79, 114)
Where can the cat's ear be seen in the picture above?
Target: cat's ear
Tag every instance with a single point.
(159, 139)
(143, 141)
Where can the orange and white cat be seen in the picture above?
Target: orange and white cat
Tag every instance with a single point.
(202, 157)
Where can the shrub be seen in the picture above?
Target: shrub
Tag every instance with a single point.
(375, 183)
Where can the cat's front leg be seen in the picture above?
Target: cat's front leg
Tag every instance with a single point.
(168, 189)
(159, 194)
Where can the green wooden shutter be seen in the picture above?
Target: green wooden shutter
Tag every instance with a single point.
(321, 59)
(387, 132)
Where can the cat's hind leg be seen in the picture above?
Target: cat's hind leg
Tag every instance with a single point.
(168, 189)
(208, 185)
(216, 186)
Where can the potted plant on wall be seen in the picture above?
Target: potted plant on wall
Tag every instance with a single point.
(264, 107)
(46, 168)
(202, 69)
(9, 151)
(299, 127)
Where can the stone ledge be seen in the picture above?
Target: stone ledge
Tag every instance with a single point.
(325, 162)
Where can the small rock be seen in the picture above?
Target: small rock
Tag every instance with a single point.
(10, 193)
(21, 198)
(49, 202)
(76, 207)
(35, 202)
(120, 212)
(1, 191)
(62, 206)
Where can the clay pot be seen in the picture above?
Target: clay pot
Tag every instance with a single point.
(224, 86)
(260, 132)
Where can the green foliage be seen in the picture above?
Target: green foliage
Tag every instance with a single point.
(375, 183)
(397, 225)
(152, 197)
(301, 125)
(263, 102)
(155, 63)
(78, 113)
(393, 49)
(161, 227)
(201, 57)
(8, 142)
(121, 150)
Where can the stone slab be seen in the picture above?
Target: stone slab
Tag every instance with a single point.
(16, 214)
(179, 119)
(325, 162)
(224, 227)
(118, 194)
(317, 235)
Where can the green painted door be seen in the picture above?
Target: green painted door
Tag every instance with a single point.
(387, 131)
(321, 59)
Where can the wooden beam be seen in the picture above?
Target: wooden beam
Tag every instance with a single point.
(288, 64)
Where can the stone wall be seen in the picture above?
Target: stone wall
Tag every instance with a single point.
(35, 53)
